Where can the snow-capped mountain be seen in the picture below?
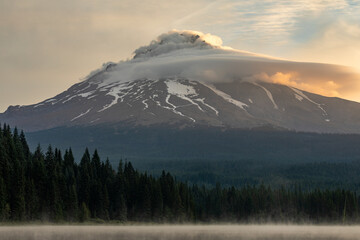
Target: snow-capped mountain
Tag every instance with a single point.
(183, 79)
(178, 101)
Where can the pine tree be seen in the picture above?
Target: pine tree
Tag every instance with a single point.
(25, 147)
(84, 214)
(71, 205)
(157, 202)
(119, 206)
(70, 195)
(130, 189)
(96, 204)
(39, 176)
(106, 205)
(51, 183)
(120, 212)
(84, 179)
(31, 200)
(17, 191)
(144, 208)
(96, 165)
(2, 199)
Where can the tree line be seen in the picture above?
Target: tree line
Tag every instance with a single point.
(52, 186)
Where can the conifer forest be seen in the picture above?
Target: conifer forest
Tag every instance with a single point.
(48, 185)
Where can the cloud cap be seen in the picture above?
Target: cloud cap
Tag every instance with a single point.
(201, 57)
(177, 40)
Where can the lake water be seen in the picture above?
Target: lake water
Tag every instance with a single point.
(180, 232)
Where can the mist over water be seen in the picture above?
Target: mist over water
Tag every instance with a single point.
(180, 232)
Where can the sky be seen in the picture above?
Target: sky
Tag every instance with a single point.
(46, 45)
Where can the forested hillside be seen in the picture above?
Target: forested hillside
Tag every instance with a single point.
(52, 186)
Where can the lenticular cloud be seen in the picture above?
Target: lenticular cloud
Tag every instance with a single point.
(198, 56)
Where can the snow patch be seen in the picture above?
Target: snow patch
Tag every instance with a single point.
(307, 98)
(38, 105)
(92, 96)
(298, 97)
(84, 95)
(146, 105)
(167, 101)
(182, 91)
(95, 120)
(173, 109)
(268, 93)
(118, 93)
(87, 94)
(227, 97)
(83, 88)
(81, 114)
(202, 100)
(69, 98)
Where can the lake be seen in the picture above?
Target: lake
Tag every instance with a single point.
(179, 232)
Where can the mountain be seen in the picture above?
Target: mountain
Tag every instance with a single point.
(186, 84)
(184, 102)
(188, 79)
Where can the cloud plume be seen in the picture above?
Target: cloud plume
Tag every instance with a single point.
(175, 40)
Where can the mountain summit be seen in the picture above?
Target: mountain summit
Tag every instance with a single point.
(188, 79)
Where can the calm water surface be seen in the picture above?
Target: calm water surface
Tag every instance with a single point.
(180, 232)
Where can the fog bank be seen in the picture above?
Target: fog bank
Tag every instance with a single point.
(179, 232)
